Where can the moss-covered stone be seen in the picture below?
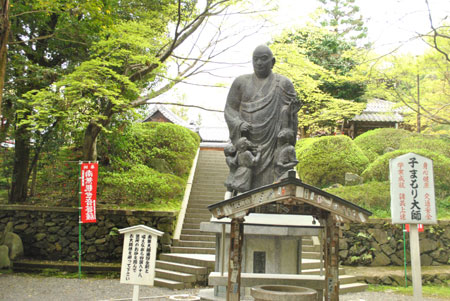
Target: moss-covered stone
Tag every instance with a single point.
(325, 160)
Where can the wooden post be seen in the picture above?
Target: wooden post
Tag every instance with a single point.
(415, 262)
(331, 256)
(235, 259)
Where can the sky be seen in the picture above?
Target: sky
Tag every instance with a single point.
(392, 24)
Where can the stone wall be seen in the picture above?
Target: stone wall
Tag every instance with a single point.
(379, 243)
(52, 233)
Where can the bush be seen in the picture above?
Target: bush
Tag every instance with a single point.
(165, 147)
(431, 143)
(139, 185)
(379, 169)
(373, 196)
(325, 160)
(374, 143)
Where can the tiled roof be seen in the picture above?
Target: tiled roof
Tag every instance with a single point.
(379, 110)
(169, 115)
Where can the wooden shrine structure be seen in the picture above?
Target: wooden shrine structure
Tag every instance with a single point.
(289, 196)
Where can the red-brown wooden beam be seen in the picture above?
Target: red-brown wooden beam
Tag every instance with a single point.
(235, 259)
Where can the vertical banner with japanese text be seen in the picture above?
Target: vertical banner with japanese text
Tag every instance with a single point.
(89, 172)
(412, 190)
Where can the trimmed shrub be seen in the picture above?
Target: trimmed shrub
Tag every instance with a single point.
(165, 147)
(431, 143)
(379, 169)
(139, 185)
(373, 196)
(374, 143)
(325, 160)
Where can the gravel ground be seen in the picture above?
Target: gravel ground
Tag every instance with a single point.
(14, 287)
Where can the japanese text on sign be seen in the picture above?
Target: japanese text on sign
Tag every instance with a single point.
(88, 185)
(137, 267)
(412, 190)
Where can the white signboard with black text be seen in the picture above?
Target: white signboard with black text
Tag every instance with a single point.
(412, 190)
(139, 255)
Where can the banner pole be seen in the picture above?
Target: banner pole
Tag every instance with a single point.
(79, 224)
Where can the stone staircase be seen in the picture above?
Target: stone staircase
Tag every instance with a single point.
(311, 266)
(192, 256)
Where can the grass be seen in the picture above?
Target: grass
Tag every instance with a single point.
(434, 291)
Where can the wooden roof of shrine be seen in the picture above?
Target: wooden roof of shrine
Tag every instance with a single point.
(289, 196)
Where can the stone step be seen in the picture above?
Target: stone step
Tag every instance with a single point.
(180, 267)
(191, 250)
(194, 244)
(175, 276)
(310, 264)
(310, 255)
(191, 226)
(205, 260)
(195, 220)
(187, 237)
(352, 288)
(206, 215)
(311, 248)
(202, 211)
(316, 271)
(346, 279)
(174, 285)
(193, 232)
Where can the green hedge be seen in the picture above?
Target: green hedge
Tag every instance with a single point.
(373, 196)
(374, 143)
(141, 185)
(435, 144)
(165, 147)
(379, 169)
(324, 161)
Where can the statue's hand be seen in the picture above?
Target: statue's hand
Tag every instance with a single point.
(245, 127)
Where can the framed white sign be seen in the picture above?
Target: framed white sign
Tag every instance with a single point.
(139, 255)
(412, 190)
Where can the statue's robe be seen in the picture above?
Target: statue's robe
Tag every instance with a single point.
(268, 105)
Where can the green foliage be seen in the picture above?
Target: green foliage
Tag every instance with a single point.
(374, 143)
(165, 147)
(319, 64)
(432, 143)
(324, 161)
(373, 196)
(343, 17)
(379, 169)
(140, 184)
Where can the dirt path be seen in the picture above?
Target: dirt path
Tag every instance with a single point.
(35, 288)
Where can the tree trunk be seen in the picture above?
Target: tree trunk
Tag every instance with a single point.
(90, 142)
(4, 33)
(19, 185)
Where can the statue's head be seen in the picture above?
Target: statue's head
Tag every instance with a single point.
(243, 144)
(286, 135)
(263, 61)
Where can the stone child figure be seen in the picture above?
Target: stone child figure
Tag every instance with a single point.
(258, 106)
(285, 157)
(246, 160)
(231, 160)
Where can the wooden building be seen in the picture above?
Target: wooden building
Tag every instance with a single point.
(378, 113)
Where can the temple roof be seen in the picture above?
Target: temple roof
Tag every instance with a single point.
(379, 110)
(289, 196)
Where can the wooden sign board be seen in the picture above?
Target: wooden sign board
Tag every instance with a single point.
(139, 255)
(412, 190)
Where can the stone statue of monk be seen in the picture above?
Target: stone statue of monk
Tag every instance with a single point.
(258, 107)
